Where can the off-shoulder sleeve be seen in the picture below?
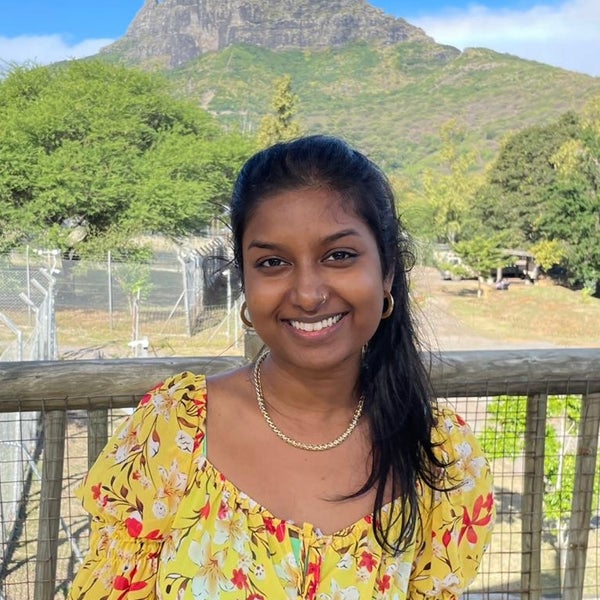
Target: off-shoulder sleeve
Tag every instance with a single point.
(457, 524)
(134, 489)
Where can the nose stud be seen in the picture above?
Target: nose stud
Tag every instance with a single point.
(323, 299)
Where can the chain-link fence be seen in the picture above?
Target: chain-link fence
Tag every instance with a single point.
(113, 308)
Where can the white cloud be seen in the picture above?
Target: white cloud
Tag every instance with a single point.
(46, 49)
(567, 35)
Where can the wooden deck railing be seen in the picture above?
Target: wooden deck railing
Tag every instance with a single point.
(52, 388)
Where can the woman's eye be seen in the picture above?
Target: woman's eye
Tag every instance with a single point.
(270, 262)
(338, 255)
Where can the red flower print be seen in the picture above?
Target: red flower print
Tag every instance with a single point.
(314, 570)
(125, 585)
(367, 561)
(446, 538)
(476, 519)
(223, 511)
(384, 583)
(489, 502)
(97, 494)
(198, 439)
(96, 489)
(278, 531)
(200, 403)
(147, 397)
(256, 597)
(460, 421)
(205, 510)
(134, 527)
(239, 579)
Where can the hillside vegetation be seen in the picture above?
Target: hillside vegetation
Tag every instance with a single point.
(390, 100)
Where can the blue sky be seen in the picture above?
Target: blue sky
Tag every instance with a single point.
(564, 33)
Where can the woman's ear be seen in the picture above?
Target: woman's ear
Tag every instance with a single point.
(388, 282)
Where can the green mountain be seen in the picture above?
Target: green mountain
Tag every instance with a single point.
(378, 81)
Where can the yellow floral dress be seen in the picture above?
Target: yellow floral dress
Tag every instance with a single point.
(167, 524)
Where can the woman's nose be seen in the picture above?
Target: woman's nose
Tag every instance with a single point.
(309, 291)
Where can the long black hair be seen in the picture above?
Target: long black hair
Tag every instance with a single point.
(393, 379)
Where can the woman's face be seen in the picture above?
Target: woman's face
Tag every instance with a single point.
(313, 279)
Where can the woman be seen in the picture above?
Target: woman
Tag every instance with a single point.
(324, 470)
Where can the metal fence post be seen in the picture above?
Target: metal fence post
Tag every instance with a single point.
(50, 499)
(533, 497)
(583, 497)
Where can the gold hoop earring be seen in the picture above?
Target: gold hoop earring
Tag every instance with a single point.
(389, 309)
(244, 317)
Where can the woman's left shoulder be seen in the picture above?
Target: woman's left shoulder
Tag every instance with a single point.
(458, 447)
(449, 422)
(177, 395)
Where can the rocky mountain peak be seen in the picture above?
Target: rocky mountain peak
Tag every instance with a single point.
(173, 32)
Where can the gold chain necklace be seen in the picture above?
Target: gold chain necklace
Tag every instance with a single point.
(288, 440)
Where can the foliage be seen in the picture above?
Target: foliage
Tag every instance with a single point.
(521, 182)
(389, 100)
(548, 253)
(109, 150)
(544, 191)
(482, 254)
(280, 126)
(574, 213)
(414, 210)
(449, 192)
(504, 437)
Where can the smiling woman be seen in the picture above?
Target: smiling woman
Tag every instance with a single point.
(325, 469)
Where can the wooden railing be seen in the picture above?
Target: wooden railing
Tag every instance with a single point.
(52, 388)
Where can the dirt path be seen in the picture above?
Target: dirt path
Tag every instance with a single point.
(439, 329)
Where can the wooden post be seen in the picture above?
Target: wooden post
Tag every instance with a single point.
(533, 497)
(97, 433)
(50, 498)
(583, 497)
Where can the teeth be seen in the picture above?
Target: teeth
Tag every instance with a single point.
(316, 326)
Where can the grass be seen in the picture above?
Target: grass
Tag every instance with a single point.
(541, 313)
(89, 334)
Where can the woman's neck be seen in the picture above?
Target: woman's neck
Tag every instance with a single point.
(293, 390)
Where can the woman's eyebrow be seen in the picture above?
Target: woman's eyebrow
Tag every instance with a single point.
(334, 237)
(263, 245)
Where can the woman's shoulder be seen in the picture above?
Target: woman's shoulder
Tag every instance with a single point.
(448, 423)
(458, 447)
(184, 388)
(178, 401)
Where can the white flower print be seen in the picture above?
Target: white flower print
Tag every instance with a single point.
(339, 593)
(184, 441)
(288, 572)
(345, 562)
(447, 584)
(209, 580)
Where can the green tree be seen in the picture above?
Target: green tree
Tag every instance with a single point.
(574, 211)
(548, 253)
(482, 254)
(449, 191)
(108, 150)
(521, 182)
(281, 125)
